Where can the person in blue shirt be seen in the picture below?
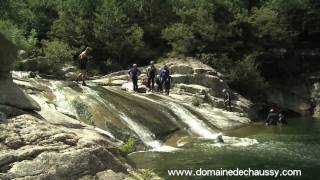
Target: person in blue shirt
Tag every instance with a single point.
(134, 74)
(165, 79)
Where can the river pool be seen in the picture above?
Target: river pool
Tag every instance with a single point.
(295, 146)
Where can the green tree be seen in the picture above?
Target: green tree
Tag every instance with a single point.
(18, 37)
(57, 51)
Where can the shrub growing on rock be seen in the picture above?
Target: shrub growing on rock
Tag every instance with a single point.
(57, 51)
(128, 147)
(147, 174)
(196, 101)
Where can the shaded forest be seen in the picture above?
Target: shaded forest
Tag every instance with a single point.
(255, 43)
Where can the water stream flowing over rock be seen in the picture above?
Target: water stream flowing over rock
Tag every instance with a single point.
(153, 120)
(92, 121)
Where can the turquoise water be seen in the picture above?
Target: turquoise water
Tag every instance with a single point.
(296, 146)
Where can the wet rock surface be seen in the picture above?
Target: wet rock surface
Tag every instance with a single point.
(37, 141)
(191, 79)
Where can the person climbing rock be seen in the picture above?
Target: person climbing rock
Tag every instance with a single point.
(283, 119)
(272, 118)
(83, 58)
(151, 73)
(165, 79)
(134, 74)
(227, 99)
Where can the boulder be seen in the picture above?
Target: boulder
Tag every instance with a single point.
(27, 65)
(22, 54)
(213, 82)
(110, 175)
(10, 111)
(35, 149)
(181, 69)
(193, 88)
(11, 97)
(129, 87)
(3, 116)
(111, 81)
(44, 66)
(287, 99)
(8, 56)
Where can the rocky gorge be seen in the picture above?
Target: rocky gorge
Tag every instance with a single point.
(58, 129)
(38, 142)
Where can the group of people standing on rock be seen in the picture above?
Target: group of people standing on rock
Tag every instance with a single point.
(274, 118)
(163, 79)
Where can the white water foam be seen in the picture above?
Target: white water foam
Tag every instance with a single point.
(104, 132)
(146, 136)
(236, 141)
(196, 125)
(62, 104)
(21, 74)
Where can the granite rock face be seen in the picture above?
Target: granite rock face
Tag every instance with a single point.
(13, 100)
(33, 148)
(8, 55)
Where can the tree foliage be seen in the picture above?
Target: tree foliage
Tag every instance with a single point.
(275, 35)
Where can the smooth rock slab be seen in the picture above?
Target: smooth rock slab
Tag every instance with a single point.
(31, 148)
(12, 96)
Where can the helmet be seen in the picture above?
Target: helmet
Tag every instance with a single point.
(134, 65)
(224, 90)
(151, 62)
(271, 110)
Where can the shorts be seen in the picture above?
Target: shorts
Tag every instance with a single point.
(83, 65)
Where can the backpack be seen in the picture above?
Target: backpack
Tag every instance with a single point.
(164, 74)
(135, 72)
(151, 71)
(145, 82)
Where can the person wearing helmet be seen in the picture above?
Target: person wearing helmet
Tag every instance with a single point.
(165, 79)
(134, 74)
(282, 119)
(83, 58)
(151, 73)
(227, 99)
(272, 118)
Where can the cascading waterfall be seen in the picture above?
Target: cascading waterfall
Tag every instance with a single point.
(199, 127)
(146, 136)
(91, 97)
(196, 125)
(20, 74)
(62, 104)
(65, 107)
